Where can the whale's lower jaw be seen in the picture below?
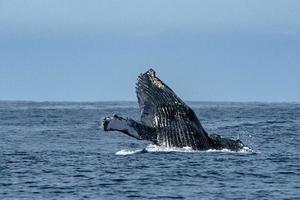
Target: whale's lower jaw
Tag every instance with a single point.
(177, 138)
(168, 144)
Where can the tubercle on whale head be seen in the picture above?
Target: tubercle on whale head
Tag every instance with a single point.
(151, 72)
(150, 75)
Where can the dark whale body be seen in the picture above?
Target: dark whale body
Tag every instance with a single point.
(166, 120)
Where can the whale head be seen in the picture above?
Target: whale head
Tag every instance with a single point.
(151, 79)
(150, 88)
(153, 93)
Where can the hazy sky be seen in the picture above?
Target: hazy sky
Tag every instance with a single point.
(204, 50)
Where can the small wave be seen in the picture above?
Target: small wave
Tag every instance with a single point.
(243, 150)
(258, 123)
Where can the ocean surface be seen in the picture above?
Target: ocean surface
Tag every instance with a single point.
(53, 150)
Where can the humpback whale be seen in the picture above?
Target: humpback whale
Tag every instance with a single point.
(166, 120)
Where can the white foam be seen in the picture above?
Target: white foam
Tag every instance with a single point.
(154, 148)
(248, 150)
(243, 150)
(128, 152)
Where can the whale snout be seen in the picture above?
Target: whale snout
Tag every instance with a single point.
(150, 72)
(149, 80)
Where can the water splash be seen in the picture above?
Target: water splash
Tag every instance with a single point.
(243, 150)
(129, 152)
(155, 148)
(151, 148)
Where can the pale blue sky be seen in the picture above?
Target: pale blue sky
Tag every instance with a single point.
(204, 50)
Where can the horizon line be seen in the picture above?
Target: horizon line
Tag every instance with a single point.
(132, 101)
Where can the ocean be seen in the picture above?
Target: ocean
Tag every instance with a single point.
(57, 150)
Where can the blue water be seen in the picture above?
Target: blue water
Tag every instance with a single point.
(58, 151)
